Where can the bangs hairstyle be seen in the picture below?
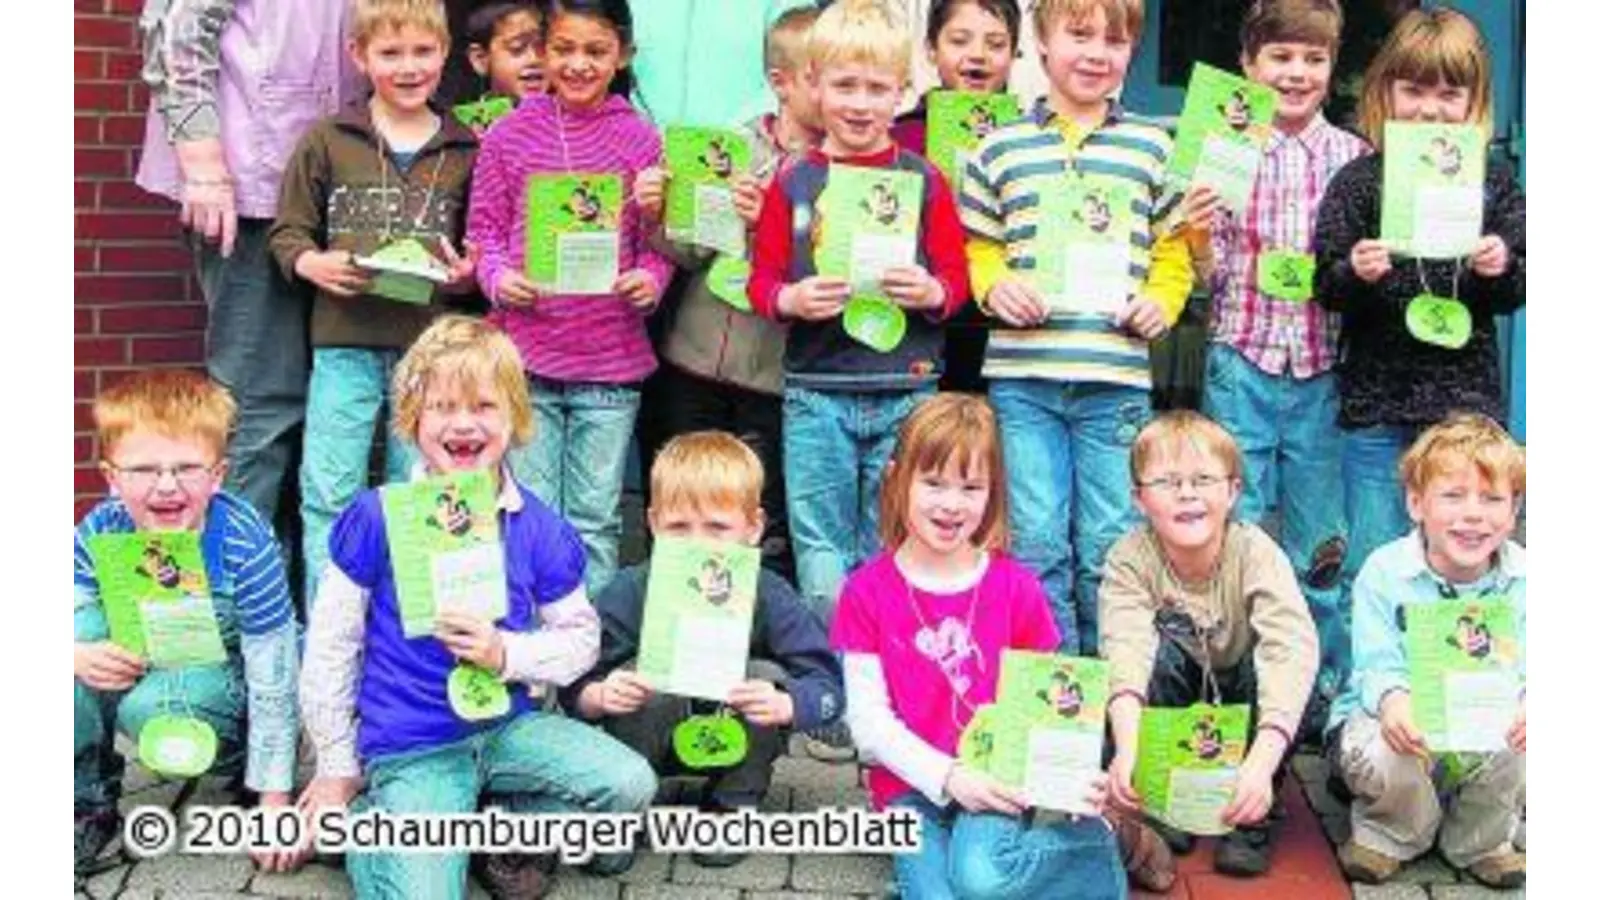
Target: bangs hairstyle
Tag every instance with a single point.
(1006, 11)
(1315, 22)
(945, 427)
(372, 17)
(1123, 17)
(1429, 47)
(706, 470)
(1165, 436)
(615, 15)
(174, 403)
(784, 49)
(485, 21)
(463, 355)
(862, 32)
(1465, 439)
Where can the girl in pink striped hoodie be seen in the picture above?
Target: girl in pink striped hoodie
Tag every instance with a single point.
(585, 354)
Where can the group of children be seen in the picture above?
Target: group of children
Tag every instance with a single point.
(930, 531)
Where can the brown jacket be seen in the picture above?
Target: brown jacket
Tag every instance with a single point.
(342, 192)
(1252, 605)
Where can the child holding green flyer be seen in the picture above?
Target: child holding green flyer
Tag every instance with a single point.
(1418, 336)
(922, 627)
(503, 49)
(569, 266)
(446, 599)
(1211, 646)
(185, 636)
(1430, 734)
(369, 197)
(707, 487)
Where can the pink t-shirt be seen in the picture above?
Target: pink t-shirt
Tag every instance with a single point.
(940, 652)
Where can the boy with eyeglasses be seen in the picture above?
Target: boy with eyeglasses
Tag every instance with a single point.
(162, 436)
(1192, 596)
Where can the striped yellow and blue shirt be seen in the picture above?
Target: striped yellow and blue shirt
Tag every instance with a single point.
(999, 209)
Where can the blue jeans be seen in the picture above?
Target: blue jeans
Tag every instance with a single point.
(576, 462)
(535, 763)
(348, 388)
(1288, 433)
(214, 694)
(836, 445)
(1374, 499)
(1066, 449)
(984, 855)
(257, 348)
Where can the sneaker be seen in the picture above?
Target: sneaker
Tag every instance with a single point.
(1502, 869)
(831, 744)
(1366, 866)
(515, 876)
(1244, 852)
(605, 865)
(92, 832)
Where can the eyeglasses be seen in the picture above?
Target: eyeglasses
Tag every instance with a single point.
(1173, 484)
(143, 479)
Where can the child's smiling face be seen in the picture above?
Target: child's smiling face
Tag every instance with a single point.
(1414, 101)
(511, 62)
(1299, 73)
(1464, 518)
(582, 54)
(166, 483)
(857, 103)
(947, 505)
(972, 52)
(404, 65)
(1084, 60)
(1187, 497)
(463, 430)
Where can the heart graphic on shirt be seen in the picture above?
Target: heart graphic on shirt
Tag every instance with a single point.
(949, 646)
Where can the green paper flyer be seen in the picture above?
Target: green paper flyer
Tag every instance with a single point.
(573, 232)
(404, 271)
(444, 544)
(1059, 702)
(1188, 763)
(1432, 189)
(867, 222)
(1462, 660)
(698, 608)
(699, 204)
(483, 112)
(1083, 264)
(958, 121)
(156, 597)
(1225, 123)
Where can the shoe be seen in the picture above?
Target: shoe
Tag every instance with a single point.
(1366, 866)
(1245, 852)
(92, 832)
(831, 744)
(1145, 855)
(1503, 869)
(1181, 842)
(605, 865)
(515, 876)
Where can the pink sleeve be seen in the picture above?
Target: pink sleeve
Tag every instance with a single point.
(855, 628)
(1033, 626)
(647, 152)
(489, 215)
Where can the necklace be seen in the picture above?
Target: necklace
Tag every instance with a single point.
(958, 699)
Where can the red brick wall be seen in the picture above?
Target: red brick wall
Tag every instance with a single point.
(135, 303)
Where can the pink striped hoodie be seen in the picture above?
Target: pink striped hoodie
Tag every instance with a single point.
(561, 337)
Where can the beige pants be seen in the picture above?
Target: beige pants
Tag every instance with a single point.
(1398, 810)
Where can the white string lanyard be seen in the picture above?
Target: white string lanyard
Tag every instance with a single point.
(1210, 691)
(383, 187)
(958, 699)
(1455, 278)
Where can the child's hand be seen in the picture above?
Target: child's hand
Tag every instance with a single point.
(815, 299)
(1016, 303)
(639, 288)
(461, 265)
(324, 792)
(1120, 774)
(979, 792)
(1399, 729)
(514, 289)
(334, 271)
(747, 197)
(105, 666)
(650, 191)
(1143, 317)
(1099, 791)
(1201, 209)
(1490, 257)
(1370, 259)
(624, 692)
(761, 703)
(1517, 737)
(280, 860)
(1252, 794)
(913, 288)
(471, 639)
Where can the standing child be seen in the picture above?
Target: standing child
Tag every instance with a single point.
(1464, 483)
(922, 626)
(1433, 68)
(385, 171)
(503, 48)
(584, 355)
(1269, 369)
(1073, 388)
(375, 702)
(842, 400)
(164, 435)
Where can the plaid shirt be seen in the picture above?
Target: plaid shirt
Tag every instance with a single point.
(1279, 335)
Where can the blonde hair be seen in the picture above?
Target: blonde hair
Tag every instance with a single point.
(176, 403)
(369, 18)
(785, 45)
(1165, 436)
(865, 32)
(945, 427)
(463, 354)
(1315, 22)
(704, 470)
(1465, 439)
(1429, 47)
(1123, 17)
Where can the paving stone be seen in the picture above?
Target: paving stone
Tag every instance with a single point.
(758, 870)
(573, 885)
(1390, 892)
(678, 892)
(835, 875)
(106, 884)
(778, 799)
(787, 895)
(314, 880)
(1473, 891)
(1429, 869)
(189, 875)
(161, 793)
(648, 868)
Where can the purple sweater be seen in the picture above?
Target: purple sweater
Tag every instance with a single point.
(561, 337)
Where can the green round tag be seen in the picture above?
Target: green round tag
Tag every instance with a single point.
(710, 742)
(876, 322)
(727, 280)
(1440, 321)
(476, 693)
(179, 746)
(1286, 275)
